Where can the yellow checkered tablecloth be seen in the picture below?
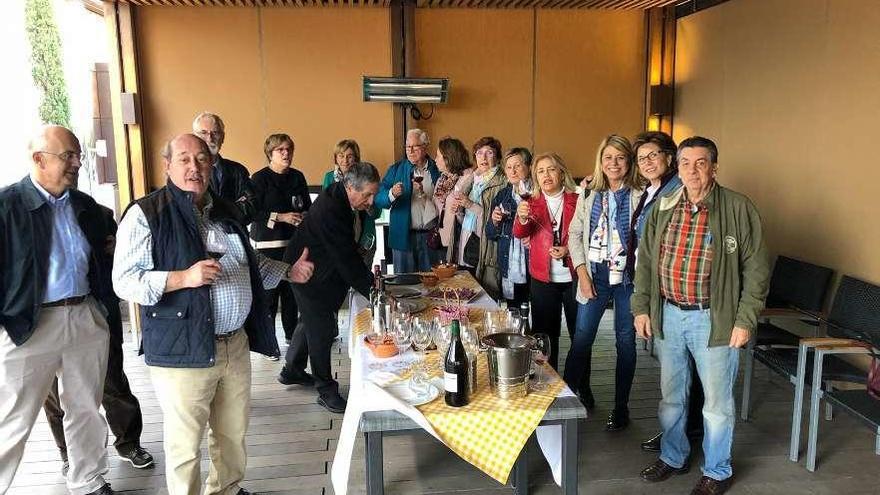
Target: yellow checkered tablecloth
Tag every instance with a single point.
(489, 432)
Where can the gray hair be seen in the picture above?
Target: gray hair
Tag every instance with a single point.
(208, 115)
(359, 175)
(422, 135)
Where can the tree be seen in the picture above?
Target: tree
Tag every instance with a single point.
(47, 71)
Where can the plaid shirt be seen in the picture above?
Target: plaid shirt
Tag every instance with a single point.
(135, 280)
(686, 254)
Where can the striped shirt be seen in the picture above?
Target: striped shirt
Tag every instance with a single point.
(686, 254)
(231, 294)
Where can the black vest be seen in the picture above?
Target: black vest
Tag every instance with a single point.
(178, 331)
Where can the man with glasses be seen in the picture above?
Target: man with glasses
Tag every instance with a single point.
(407, 189)
(229, 179)
(55, 292)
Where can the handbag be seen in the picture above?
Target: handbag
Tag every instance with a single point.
(434, 240)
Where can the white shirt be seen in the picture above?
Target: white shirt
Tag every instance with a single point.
(558, 271)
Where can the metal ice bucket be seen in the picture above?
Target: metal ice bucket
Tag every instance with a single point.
(510, 355)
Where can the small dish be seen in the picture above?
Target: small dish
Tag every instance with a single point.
(444, 271)
(402, 391)
(430, 280)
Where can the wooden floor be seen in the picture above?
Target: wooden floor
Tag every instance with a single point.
(291, 442)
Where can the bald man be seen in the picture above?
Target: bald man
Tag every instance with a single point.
(53, 242)
(182, 254)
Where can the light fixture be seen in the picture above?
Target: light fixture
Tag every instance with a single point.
(661, 100)
(406, 89)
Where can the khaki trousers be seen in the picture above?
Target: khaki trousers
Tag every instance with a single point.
(218, 397)
(69, 342)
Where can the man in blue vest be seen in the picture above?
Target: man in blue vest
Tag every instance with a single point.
(184, 257)
(54, 300)
(407, 189)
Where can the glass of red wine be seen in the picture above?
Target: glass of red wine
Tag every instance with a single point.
(540, 354)
(215, 244)
(297, 203)
(418, 176)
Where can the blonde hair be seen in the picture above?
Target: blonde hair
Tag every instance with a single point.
(345, 145)
(568, 184)
(620, 143)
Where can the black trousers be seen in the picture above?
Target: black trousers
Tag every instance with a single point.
(312, 341)
(284, 292)
(289, 309)
(520, 295)
(549, 300)
(122, 407)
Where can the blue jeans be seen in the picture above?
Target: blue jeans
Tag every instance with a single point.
(684, 332)
(578, 362)
(419, 258)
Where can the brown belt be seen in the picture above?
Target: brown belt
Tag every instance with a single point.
(70, 301)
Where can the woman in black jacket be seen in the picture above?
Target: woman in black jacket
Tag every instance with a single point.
(283, 199)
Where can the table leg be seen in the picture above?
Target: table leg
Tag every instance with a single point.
(375, 476)
(570, 457)
(521, 472)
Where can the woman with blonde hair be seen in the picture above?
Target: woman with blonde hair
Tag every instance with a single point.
(543, 217)
(599, 238)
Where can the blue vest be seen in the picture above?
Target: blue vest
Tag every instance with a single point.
(622, 196)
(178, 331)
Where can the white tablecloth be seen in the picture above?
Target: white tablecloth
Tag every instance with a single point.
(365, 395)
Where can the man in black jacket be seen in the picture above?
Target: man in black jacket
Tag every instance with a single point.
(54, 293)
(329, 232)
(229, 179)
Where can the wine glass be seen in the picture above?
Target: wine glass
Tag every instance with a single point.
(514, 320)
(540, 354)
(525, 190)
(368, 241)
(442, 335)
(401, 332)
(418, 176)
(215, 244)
(297, 203)
(421, 339)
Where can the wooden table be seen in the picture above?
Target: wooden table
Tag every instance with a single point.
(564, 411)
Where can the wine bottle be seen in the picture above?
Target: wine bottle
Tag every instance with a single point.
(456, 370)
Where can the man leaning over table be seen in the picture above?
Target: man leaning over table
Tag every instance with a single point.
(330, 232)
(200, 316)
(54, 290)
(701, 280)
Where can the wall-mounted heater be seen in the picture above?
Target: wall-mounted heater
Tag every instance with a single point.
(406, 89)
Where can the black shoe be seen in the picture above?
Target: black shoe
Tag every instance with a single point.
(333, 403)
(660, 471)
(242, 491)
(287, 377)
(138, 457)
(653, 444)
(617, 421)
(104, 490)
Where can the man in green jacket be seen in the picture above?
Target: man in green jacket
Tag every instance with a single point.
(701, 280)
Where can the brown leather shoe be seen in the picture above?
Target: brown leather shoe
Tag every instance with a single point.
(660, 471)
(711, 486)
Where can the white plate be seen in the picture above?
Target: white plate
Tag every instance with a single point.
(402, 391)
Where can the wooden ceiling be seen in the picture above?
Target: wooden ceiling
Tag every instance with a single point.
(494, 4)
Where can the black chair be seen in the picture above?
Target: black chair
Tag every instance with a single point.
(797, 292)
(853, 327)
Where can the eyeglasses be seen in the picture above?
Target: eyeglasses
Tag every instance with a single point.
(67, 156)
(414, 147)
(213, 134)
(650, 156)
